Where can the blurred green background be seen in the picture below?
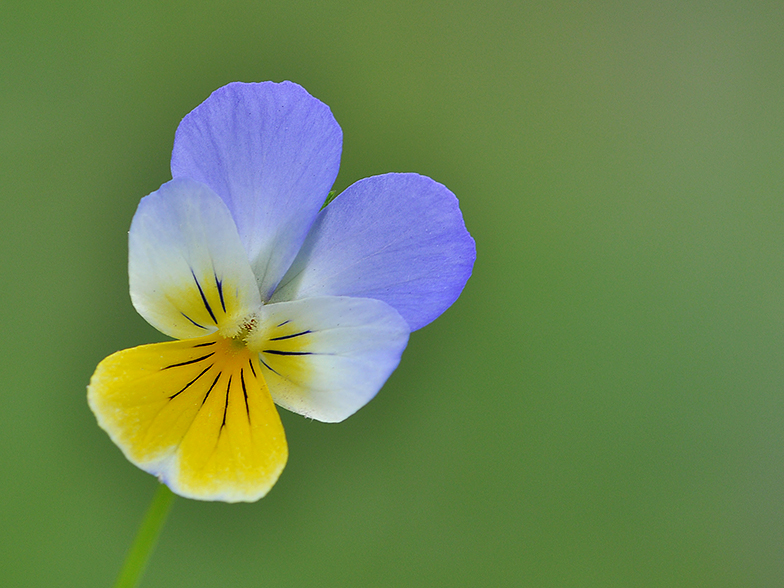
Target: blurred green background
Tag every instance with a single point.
(602, 407)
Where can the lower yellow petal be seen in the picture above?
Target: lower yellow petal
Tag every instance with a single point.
(195, 413)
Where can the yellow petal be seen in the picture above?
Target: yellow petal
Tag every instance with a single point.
(195, 413)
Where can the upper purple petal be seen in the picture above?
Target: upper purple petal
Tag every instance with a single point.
(399, 238)
(271, 152)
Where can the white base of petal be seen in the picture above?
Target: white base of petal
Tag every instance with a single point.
(327, 357)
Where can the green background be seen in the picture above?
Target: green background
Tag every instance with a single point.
(602, 407)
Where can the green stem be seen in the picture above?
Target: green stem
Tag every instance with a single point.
(146, 538)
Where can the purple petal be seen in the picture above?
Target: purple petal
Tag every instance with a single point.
(271, 152)
(399, 238)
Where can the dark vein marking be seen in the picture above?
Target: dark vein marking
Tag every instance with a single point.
(291, 336)
(204, 371)
(284, 323)
(193, 321)
(226, 406)
(204, 298)
(253, 369)
(219, 283)
(190, 361)
(211, 387)
(245, 392)
(205, 344)
(266, 365)
(277, 352)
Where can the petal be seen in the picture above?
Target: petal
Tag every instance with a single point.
(187, 268)
(326, 358)
(272, 152)
(196, 414)
(399, 238)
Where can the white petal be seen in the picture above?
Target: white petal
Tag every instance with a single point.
(188, 271)
(327, 357)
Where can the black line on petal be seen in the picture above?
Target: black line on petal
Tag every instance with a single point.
(207, 344)
(190, 361)
(204, 298)
(211, 387)
(284, 323)
(290, 336)
(226, 406)
(253, 369)
(277, 352)
(266, 365)
(245, 392)
(204, 371)
(193, 321)
(219, 283)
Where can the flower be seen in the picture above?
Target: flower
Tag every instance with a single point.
(271, 299)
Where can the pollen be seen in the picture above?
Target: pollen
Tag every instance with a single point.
(239, 330)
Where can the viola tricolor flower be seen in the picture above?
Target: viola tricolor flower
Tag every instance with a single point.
(271, 299)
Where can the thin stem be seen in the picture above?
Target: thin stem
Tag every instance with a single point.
(146, 538)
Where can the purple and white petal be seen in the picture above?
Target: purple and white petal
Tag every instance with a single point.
(188, 270)
(272, 152)
(399, 238)
(326, 358)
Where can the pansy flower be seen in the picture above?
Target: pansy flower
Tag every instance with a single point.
(270, 298)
